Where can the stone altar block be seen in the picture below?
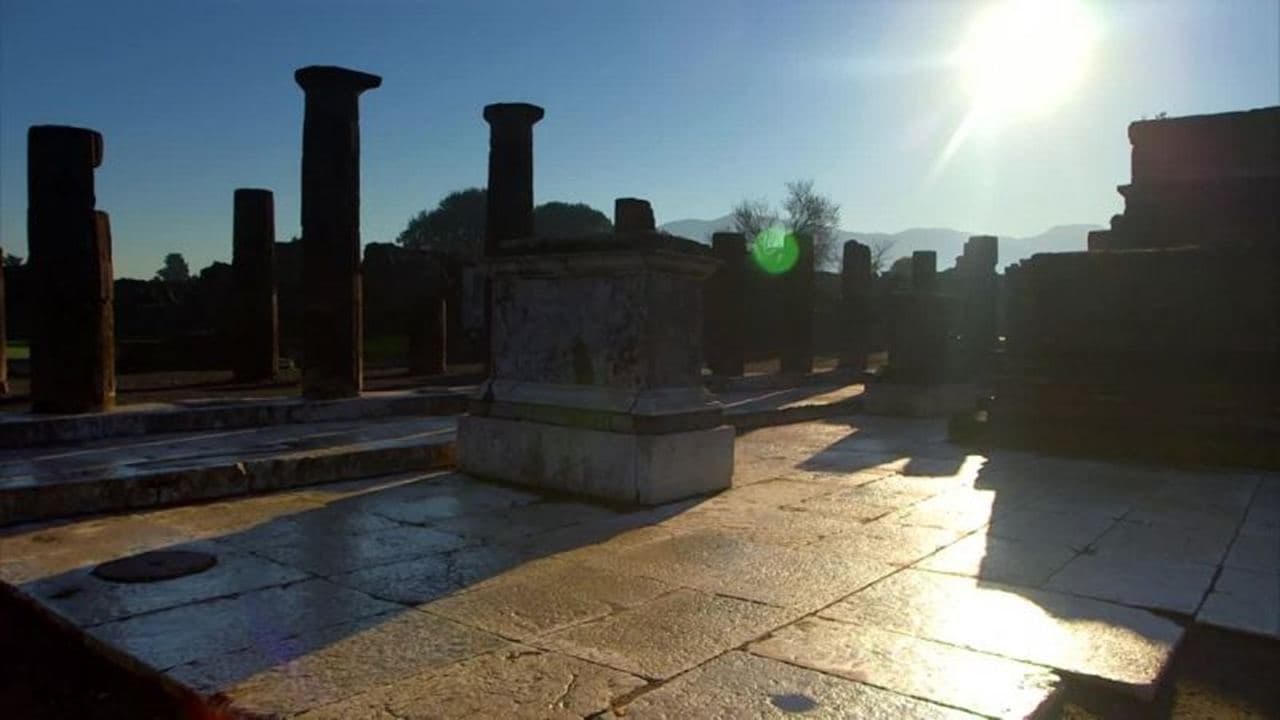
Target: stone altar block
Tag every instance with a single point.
(596, 386)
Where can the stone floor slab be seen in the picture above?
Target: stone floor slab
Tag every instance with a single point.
(887, 542)
(519, 683)
(325, 665)
(1255, 549)
(1164, 585)
(979, 683)
(261, 618)
(428, 577)
(995, 559)
(1070, 530)
(1082, 636)
(531, 601)
(336, 552)
(1245, 601)
(670, 634)
(1145, 542)
(746, 687)
(87, 600)
(34, 551)
(713, 562)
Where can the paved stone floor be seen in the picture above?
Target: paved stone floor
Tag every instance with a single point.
(860, 567)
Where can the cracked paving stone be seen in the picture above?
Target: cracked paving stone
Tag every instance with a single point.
(514, 683)
(1162, 585)
(443, 498)
(718, 563)
(977, 682)
(1244, 600)
(758, 523)
(963, 510)
(739, 686)
(532, 601)
(85, 599)
(523, 521)
(1077, 635)
(259, 618)
(1146, 542)
(887, 542)
(325, 665)
(668, 635)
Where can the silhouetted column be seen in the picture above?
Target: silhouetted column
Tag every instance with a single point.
(4, 338)
(855, 293)
(632, 215)
(427, 343)
(332, 352)
(72, 338)
(509, 214)
(797, 349)
(725, 305)
(924, 271)
(979, 302)
(256, 350)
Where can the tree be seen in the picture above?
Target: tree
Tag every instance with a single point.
(880, 250)
(751, 217)
(456, 226)
(808, 213)
(175, 269)
(558, 219)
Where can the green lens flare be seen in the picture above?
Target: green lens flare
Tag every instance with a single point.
(775, 250)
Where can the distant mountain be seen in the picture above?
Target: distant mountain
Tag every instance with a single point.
(946, 242)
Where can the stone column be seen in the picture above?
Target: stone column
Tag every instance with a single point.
(979, 303)
(632, 215)
(72, 337)
(855, 294)
(427, 338)
(333, 356)
(256, 350)
(725, 305)
(4, 338)
(797, 348)
(924, 271)
(510, 197)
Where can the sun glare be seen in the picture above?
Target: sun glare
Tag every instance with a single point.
(1024, 57)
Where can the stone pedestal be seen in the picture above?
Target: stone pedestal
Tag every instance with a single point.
(797, 322)
(255, 351)
(332, 351)
(855, 296)
(725, 306)
(72, 337)
(596, 383)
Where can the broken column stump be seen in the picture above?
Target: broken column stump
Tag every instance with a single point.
(797, 322)
(979, 302)
(596, 385)
(855, 296)
(632, 215)
(333, 356)
(725, 304)
(72, 336)
(255, 352)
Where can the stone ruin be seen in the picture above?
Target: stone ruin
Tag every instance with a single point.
(1161, 340)
(595, 383)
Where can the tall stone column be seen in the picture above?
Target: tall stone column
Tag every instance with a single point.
(725, 305)
(797, 348)
(427, 343)
(510, 197)
(333, 356)
(72, 337)
(256, 350)
(855, 294)
(979, 303)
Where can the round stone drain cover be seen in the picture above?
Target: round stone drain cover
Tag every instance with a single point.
(157, 565)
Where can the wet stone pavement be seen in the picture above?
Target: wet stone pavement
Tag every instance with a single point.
(859, 567)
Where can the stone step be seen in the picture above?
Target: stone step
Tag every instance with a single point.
(25, 430)
(750, 409)
(115, 474)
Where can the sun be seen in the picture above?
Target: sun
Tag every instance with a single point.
(1025, 57)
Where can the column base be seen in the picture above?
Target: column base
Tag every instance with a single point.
(620, 467)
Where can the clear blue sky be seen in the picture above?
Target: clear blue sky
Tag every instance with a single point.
(692, 104)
